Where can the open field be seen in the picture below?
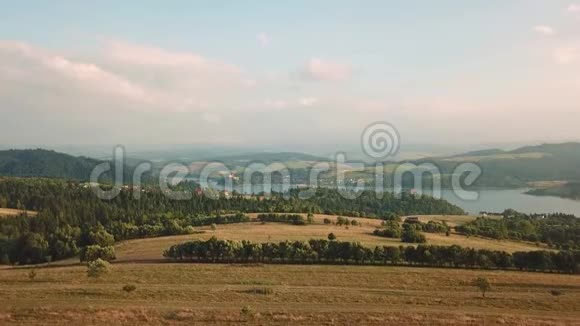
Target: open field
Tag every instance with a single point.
(152, 248)
(6, 212)
(340, 295)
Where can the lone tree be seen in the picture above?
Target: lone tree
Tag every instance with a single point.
(482, 284)
(331, 237)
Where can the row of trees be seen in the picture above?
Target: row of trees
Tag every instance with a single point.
(294, 219)
(410, 232)
(320, 251)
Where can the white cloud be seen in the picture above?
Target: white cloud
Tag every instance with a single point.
(188, 81)
(308, 101)
(141, 77)
(29, 61)
(544, 30)
(574, 8)
(263, 39)
(566, 55)
(136, 54)
(318, 69)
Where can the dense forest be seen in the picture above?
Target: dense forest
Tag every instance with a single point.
(321, 251)
(70, 216)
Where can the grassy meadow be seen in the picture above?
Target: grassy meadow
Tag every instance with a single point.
(169, 293)
(152, 248)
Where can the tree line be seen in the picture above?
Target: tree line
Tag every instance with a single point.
(69, 211)
(321, 251)
(410, 232)
(294, 219)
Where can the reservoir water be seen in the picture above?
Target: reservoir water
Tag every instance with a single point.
(494, 200)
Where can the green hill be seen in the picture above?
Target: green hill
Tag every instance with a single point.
(45, 163)
(519, 167)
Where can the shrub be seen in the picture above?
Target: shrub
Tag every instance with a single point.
(327, 221)
(556, 292)
(263, 291)
(32, 274)
(98, 268)
(411, 235)
(331, 237)
(310, 218)
(213, 227)
(435, 227)
(247, 311)
(391, 229)
(391, 217)
(94, 252)
(129, 288)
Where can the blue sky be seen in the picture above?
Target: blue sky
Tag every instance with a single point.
(291, 72)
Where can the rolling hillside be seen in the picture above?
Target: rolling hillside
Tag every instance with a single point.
(151, 249)
(45, 163)
(519, 167)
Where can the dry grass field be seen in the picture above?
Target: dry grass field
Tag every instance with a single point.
(185, 293)
(151, 249)
(169, 293)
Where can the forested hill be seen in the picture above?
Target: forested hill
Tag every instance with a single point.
(518, 167)
(45, 163)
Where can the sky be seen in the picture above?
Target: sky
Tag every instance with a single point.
(288, 73)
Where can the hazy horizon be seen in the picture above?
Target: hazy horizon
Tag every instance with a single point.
(289, 75)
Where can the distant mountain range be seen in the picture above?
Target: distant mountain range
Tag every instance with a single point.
(267, 157)
(519, 167)
(516, 168)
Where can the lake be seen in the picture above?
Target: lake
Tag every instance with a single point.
(494, 200)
